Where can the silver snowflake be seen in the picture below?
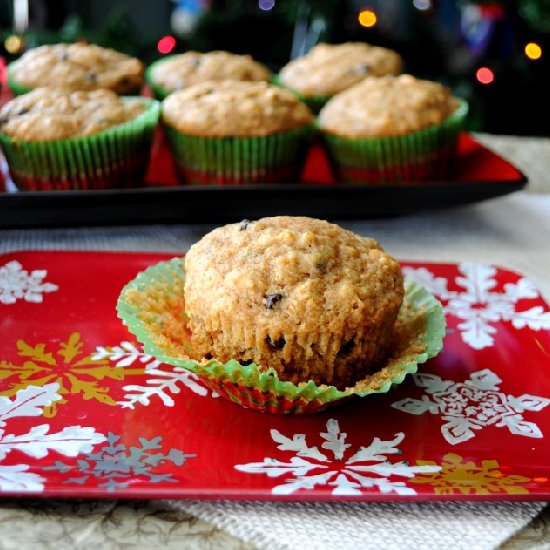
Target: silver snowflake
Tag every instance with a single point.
(117, 466)
(37, 442)
(469, 406)
(162, 380)
(479, 306)
(18, 284)
(345, 471)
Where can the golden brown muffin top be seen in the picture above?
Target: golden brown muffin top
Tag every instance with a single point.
(387, 106)
(48, 113)
(192, 67)
(330, 68)
(78, 66)
(290, 274)
(234, 108)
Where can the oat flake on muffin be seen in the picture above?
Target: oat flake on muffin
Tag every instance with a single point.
(303, 296)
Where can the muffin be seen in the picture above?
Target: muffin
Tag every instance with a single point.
(328, 69)
(392, 129)
(236, 132)
(76, 66)
(175, 72)
(285, 315)
(57, 139)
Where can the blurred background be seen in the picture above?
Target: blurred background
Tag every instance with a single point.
(495, 54)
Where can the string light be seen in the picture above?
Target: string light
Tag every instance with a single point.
(266, 5)
(422, 5)
(485, 75)
(166, 44)
(367, 18)
(14, 44)
(533, 51)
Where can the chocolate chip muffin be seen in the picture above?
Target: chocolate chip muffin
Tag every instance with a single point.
(393, 129)
(328, 69)
(52, 114)
(76, 66)
(56, 139)
(303, 296)
(179, 71)
(236, 132)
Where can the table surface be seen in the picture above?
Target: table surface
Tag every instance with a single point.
(110, 523)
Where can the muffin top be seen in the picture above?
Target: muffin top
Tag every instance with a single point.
(190, 68)
(234, 108)
(327, 69)
(387, 106)
(78, 66)
(51, 113)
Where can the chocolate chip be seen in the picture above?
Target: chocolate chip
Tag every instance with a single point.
(244, 225)
(272, 299)
(195, 61)
(23, 111)
(277, 344)
(346, 348)
(91, 77)
(64, 56)
(362, 69)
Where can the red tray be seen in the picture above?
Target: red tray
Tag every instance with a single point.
(85, 413)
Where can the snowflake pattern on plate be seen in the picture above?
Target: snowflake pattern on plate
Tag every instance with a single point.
(37, 442)
(465, 477)
(473, 405)
(163, 380)
(479, 305)
(117, 466)
(346, 472)
(18, 284)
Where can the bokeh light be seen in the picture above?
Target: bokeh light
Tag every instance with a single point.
(266, 5)
(166, 44)
(533, 51)
(367, 18)
(13, 44)
(422, 5)
(485, 75)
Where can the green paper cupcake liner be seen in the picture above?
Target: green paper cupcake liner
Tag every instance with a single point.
(116, 157)
(152, 307)
(417, 156)
(159, 92)
(239, 159)
(314, 102)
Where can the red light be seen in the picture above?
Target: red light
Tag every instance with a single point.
(166, 44)
(485, 75)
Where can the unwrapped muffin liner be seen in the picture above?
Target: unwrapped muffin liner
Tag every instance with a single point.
(114, 158)
(152, 307)
(427, 154)
(274, 158)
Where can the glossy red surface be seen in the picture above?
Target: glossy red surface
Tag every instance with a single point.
(83, 412)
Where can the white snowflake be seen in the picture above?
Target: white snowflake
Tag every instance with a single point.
(162, 380)
(479, 306)
(472, 405)
(37, 442)
(347, 472)
(18, 284)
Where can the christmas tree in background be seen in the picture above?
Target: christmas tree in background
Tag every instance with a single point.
(494, 54)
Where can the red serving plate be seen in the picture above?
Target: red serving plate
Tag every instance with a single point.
(85, 413)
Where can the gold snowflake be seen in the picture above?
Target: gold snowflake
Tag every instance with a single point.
(75, 372)
(468, 478)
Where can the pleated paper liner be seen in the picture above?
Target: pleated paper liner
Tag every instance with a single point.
(424, 155)
(239, 159)
(152, 306)
(314, 102)
(114, 158)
